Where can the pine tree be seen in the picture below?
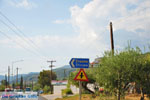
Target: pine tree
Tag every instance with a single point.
(21, 83)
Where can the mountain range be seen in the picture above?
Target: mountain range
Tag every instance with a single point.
(61, 72)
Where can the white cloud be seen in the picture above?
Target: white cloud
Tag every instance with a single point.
(61, 21)
(93, 19)
(136, 19)
(91, 23)
(58, 21)
(24, 4)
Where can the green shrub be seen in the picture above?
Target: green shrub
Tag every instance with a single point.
(36, 87)
(85, 91)
(2, 87)
(46, 89)
(66, 92)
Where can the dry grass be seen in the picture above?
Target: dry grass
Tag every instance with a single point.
(134, 97)
(89, 97)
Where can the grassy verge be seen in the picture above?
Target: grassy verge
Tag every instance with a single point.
(85, 97)
(90, 97)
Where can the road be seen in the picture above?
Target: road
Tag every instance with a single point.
(27, 98)
(57, 92)
(41, 98)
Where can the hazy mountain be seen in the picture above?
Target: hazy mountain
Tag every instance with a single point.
(2, 77)
(61, 72)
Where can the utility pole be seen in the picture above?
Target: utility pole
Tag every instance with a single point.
(64, 74)
(13, 70)
(5, 80)
(17, 75)
(112, 48)
(111, 38)
(51, 61)
(8, 75)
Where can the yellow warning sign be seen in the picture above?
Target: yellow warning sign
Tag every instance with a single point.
(81, 76)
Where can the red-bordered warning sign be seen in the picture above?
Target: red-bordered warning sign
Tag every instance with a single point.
(81, 76)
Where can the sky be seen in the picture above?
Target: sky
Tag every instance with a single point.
(35, 31)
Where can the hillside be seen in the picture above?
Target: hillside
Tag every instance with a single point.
(61, 72)
(2, 77)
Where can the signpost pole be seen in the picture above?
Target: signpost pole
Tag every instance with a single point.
(81, 76)
(80, 90)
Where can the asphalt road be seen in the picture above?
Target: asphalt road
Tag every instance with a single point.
(41, 98)
(38, 98)
(57, 92)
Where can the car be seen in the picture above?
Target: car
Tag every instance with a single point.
(28, 89)
(8, 90)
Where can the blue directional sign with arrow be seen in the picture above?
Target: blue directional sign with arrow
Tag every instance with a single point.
(79, 63)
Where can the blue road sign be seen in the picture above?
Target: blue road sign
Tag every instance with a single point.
(79, 63)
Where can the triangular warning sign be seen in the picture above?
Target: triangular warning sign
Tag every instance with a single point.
(81, 76)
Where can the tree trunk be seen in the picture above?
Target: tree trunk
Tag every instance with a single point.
(142, 94)
(119, 86)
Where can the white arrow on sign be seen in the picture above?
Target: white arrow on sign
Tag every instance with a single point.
(72, 63)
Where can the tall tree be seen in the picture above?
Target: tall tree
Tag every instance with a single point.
(3, 82)
(141, 74)
(114, 72)
(44, 78)
(21, 83)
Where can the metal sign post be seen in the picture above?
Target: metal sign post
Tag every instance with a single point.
(81, 76)
(80, 90)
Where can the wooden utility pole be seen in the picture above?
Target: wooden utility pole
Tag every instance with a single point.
(64, 74)
(111, 38)
(17, 76)
(51, 74)
(5, 80)
(8, 75)
(112, 49)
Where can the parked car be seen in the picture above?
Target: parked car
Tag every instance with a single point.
(8, 90)
(28, 89)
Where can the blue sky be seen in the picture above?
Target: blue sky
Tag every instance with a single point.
(62, 29)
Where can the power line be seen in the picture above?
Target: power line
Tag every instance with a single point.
(18, 35)
(18, 43)
(18, 29)
(23, 36)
